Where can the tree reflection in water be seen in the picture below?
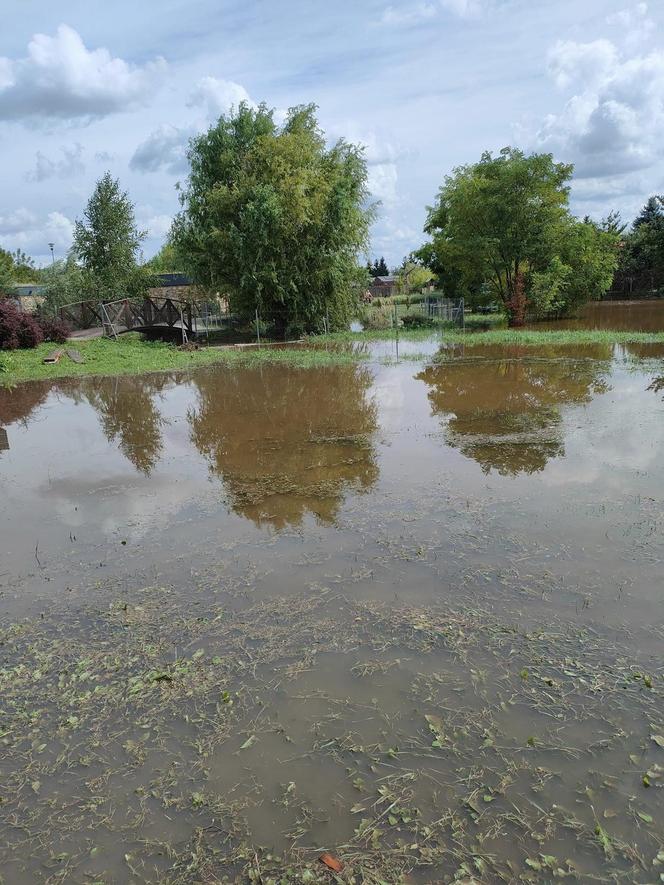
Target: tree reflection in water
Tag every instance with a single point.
(503, 408)
(287, 441)
(17, 404)
(129, 416)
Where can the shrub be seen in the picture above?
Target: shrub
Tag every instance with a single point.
(17, 329)
(54, 329)
(9, 325)
(29, 332)
(481, 321)
(417, 321)
(378, 317)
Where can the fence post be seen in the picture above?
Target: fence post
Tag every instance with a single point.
(258, 328)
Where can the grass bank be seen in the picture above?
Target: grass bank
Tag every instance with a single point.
(526, 338)
(564, 337)
(131, 355)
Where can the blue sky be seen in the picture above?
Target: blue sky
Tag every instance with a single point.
(424, 85)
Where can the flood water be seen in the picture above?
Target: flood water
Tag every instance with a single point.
(408, 612)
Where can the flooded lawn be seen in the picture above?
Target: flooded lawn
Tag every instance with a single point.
(408, 613)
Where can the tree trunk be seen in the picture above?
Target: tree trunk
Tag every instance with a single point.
(516, 303)
(280, 327)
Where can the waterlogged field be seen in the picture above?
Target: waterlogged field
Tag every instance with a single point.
(405, 612)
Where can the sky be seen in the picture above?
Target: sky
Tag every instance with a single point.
(424, 85)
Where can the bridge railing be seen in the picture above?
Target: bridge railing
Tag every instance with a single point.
(125, 314)
(82, 315)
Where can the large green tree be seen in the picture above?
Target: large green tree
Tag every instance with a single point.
(500, 222)
(107, 244)
(275, 219)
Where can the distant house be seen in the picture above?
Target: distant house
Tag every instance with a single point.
(384, 287)
(172, 285)
(181, 287)
(28, 296)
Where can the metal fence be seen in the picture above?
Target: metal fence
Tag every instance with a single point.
(430, 311)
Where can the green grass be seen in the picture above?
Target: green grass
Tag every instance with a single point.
(130, 355)
(524, 337)
(564, 337)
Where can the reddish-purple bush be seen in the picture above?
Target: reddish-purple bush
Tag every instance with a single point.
(29, 333)
(17, 329)
(54, 329)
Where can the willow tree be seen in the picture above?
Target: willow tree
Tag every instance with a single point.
(274, 219)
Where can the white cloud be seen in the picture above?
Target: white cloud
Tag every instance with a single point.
(219, 96)
(382, 182)
(406, 14)
(409, 15)
(464, 8)
(16, 222)
(613, 123)
(634, 25)
(69, 165)
(25, 230)
(165, 148)
(158, 226)
(586, 63)
(61, 78)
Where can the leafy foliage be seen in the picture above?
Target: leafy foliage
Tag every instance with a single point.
(166, 260)
(53, 329)
(107, 244)
(582, 268)
(642, 255)
(503, 224)
(17, 329)
(15, 267)
(412, 277)
(274, 219)
(63, 282)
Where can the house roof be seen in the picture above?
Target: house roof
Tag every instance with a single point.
(173, 279)
(28, 289)
(388, 279)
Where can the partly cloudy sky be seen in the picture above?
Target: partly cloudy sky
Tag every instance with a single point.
(425, 86)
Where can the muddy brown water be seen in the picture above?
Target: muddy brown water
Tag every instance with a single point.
(408, 612)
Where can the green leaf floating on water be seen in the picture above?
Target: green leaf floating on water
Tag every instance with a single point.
(249, 742)
(658, 739)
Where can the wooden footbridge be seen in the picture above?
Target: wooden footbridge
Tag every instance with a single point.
(171, 316)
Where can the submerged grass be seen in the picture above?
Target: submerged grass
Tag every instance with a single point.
(524, 337)
(133, 355)
(564, 337)
(159, 726)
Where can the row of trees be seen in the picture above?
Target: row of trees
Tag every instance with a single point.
(276, 220)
